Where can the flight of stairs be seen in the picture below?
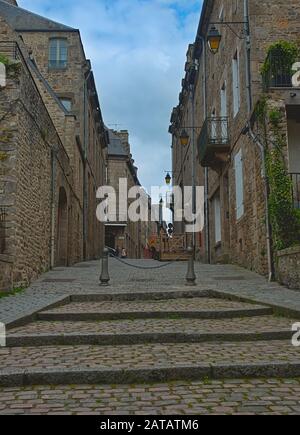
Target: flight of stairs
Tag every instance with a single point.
(150, 336)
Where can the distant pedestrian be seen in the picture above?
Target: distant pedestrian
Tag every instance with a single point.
(124, 253)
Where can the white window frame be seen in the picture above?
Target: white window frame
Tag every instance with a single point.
(239, 184)
(60, 45)
(224, 111)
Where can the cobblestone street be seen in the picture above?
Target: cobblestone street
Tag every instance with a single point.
(147, 344)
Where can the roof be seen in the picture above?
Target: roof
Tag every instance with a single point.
(22, 20)
(115, 146)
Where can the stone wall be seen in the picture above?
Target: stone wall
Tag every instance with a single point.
(243, 240)
(83, 136)
(288, 267)
(40, 229)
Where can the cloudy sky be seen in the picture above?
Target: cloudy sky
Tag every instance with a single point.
(138, 49)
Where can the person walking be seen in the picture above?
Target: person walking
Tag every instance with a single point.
(124, 253)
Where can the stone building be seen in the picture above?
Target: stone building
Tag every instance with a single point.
(220, 97)
(53, 147)
(123, 233)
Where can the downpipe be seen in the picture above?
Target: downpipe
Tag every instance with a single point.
(206, 170)
(52, 242)
(248, 55)
(256, 141)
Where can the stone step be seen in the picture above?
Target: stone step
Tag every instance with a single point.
(124, 332)
(147, 363)
(201, 308)
(149, 295)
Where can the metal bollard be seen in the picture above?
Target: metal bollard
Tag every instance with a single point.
(191, 276)
(105, 278)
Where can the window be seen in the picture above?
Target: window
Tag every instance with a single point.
(224, 113)
(236, 84)
(58, 53)
(217, 212)
(239, 184)
(214, 125)
(67, 103)
(221, 14)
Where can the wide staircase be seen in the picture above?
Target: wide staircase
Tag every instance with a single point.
(148, 337)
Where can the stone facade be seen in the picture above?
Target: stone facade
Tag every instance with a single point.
(127, 235)
(52, 158)
(288, 267)
(225, 97)
(85, 140)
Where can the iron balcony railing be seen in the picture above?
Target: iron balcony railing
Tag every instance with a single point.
(214, 135)
(278, 72)
(296, 189)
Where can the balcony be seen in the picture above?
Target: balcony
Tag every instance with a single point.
(278, 74)
(214, 143)
(296, 189)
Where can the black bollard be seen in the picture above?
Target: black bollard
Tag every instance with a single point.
(105, 278)
(191, 276)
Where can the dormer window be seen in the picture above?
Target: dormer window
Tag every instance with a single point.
(58, 53)
(67, 103)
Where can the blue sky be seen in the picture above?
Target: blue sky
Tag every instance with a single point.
(137, 49)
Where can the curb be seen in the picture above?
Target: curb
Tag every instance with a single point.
(32, 316)
(141, 296)
(142, 338)
(106, 316)
(277, 309)
(21, 378)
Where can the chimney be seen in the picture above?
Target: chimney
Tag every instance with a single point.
(124, 136)
(12, 2)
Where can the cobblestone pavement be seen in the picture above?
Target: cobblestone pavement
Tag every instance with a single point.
(195, 304)
(135, 294)
(254, 325)
(84, 278)
(147, 355)
(261, 396)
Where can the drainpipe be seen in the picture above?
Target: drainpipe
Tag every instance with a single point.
(255, 139)
(52, 242)
(248, 54)
(85, 145)
(206, 170)
(193, 164)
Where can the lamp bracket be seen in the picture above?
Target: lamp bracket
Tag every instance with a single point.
(243, 34)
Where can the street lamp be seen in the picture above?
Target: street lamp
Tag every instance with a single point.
(184, 138)
(214, 40)
(168, 179)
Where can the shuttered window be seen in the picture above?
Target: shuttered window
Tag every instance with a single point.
(58, 53)
(239, 184)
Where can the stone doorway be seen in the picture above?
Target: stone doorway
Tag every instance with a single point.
(62, 229)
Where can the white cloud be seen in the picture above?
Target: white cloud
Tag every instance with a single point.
(137, 48)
